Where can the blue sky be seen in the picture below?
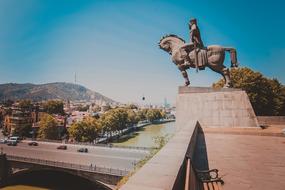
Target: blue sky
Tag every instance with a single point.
(112, 45)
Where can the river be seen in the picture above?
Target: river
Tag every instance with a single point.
(142, 138)
(145, 136)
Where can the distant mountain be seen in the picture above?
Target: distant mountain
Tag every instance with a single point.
(58, 90)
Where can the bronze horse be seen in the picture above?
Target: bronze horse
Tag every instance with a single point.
(215, 56)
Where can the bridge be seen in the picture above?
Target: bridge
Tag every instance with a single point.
(105, 176)
(105, 165)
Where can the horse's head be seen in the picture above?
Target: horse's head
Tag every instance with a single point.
(170, 42)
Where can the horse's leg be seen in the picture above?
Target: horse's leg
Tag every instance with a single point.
(224, 72)
(215, 62)
(184, 74)
(226, 75)
(233, 56)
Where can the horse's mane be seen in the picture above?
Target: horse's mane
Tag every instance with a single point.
(169, 35)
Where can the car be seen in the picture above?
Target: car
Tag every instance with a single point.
(62, 147)
(12, 143)
(82, 150)
(33, 143)
(15, 138)
(3, 141)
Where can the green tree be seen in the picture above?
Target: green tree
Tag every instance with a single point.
(116, 120)
(163, 114)
(267, 96)
(85, 131)
(142, 114)
(23, 130)
(54, 107)
(83, 108)
(153, 114)
(121, 118)
(132, 117)
(48, 128)
(25, 105)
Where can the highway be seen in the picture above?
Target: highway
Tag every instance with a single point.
(116, 158)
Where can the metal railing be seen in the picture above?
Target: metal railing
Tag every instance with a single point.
(201, 179)
(191, 180)
(93, 144)
(91, 168)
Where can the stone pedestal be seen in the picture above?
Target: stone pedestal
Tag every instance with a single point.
(214, 107)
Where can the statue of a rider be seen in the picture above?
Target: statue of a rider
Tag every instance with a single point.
(195, 38)
(195, 44)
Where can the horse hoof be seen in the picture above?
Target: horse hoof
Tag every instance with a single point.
(227, 86)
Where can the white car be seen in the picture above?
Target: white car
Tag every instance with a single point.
(3, 141)
(15, 138)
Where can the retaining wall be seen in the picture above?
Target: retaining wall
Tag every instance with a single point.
(271, 120)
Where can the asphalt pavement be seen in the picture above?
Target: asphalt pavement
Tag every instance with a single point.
(116, 158)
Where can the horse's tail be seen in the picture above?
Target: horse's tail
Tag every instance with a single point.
(233, 55)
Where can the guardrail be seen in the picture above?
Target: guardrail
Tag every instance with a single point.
(191, 180)
(93, 169)
(92, 144)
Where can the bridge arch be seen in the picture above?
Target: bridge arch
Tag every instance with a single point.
(56, 175)
(105, 176)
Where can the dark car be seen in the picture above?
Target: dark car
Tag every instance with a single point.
(33, 144)
(82, 150)
(12, 143)
(62, 147)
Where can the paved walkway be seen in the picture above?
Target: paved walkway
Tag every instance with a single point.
(248, 161)
(273, 130)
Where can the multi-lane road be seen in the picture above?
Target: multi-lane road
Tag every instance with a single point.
(116, 158)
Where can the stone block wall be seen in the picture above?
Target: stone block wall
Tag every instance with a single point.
(215, 107)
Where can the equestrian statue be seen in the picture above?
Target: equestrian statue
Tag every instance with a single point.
(196, 55)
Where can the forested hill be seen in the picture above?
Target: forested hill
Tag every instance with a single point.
(58, 90)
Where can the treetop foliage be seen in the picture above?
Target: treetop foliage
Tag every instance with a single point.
(116, 119)
(48, 127)
(54, 107)
(84, 131)
(25, 104)
(267, 96)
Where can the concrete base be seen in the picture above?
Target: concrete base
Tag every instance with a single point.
(214, 107)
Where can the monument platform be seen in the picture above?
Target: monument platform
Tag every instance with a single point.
(226, 107)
